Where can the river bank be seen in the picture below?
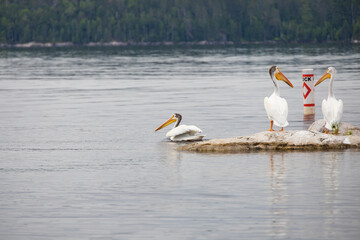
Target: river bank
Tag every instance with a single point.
(112, 44)
(124, 44)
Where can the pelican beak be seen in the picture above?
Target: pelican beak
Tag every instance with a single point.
(325, 76)
(168, 122)
(281, 77)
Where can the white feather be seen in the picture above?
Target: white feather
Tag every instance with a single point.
(277, 109)
(185, 133)
(332, 110)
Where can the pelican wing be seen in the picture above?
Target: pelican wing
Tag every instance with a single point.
(325, 108)
(277, 110)
(267, 106)
(185, 133)
(332, 110)
(340, 107)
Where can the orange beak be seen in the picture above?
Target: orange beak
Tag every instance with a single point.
(281, 77)
(325, 76)
(168, 122)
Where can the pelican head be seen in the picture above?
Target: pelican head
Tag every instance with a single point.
(330, 72)
(176, 117)
(274, 72)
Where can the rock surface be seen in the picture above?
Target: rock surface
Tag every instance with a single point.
(312, 139)
(344, 128)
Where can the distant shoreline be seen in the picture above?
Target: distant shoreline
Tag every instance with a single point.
(124, 44)
(111, 44)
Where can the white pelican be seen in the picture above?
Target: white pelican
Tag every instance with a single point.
(181, 132)
(332, 108)
(276, 107)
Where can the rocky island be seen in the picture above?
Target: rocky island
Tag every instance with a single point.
(312, 139)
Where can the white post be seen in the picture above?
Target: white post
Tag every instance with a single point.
(308, 91)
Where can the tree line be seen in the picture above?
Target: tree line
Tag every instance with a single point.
(84, 21)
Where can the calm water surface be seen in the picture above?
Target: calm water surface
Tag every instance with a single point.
(79, 158)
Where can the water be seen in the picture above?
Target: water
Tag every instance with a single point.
(79, 158)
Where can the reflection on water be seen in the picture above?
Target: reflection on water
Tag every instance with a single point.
(79, 158)
(308, 120)
(315, 201)
(171, 160)
(330, 178)
(279, 196)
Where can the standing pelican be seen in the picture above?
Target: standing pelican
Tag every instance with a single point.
(181, 132)
(332, 108)
(276, 107)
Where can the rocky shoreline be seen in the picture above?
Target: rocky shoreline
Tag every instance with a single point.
(312, 139)
(124, 44)
(112, 44)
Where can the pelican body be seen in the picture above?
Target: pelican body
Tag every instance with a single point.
(332, 108)
(181, 132)
(276, 107)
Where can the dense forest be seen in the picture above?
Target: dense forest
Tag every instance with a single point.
(84, 21)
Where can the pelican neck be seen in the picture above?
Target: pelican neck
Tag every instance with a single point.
(331, 94)
(276, 87)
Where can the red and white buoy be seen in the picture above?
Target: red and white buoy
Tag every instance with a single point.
(308, 91)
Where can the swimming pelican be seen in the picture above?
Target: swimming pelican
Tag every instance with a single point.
(181, 132)
(332, 108)
(276, 107)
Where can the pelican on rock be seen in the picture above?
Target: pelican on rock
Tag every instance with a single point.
(181, 132)
(332, 108)
(276, 107)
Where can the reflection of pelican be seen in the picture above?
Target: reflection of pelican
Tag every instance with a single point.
(181, 132)
(276, 107)
(279, 196)
(332, 108)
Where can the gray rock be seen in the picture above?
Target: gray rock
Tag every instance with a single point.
(312, 139)
(344, 129)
